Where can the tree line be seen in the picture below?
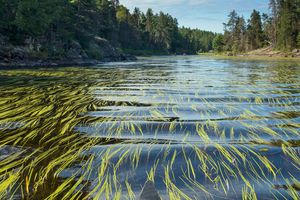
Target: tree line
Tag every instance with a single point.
(50, 25)
(159, 31)
(279, 29)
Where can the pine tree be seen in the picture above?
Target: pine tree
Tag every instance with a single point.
(230, 29)
(36, 17)
(218, 43)
(136, 18)
(255, 32)
(287, 24)
(239, 44)
(8, 13)
(272, 30)
(268, 30)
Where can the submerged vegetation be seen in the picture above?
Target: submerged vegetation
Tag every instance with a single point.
(94, 133)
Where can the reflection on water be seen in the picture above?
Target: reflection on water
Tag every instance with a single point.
(199, 128)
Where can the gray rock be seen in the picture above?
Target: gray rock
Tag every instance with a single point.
(84, 55)
(106, 49)
(296, 51)
(19, 53)
(74, 51)
(149, 192)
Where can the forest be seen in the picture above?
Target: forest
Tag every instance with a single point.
(49, 27)
(280, 29)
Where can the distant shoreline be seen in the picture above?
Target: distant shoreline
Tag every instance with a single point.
(245, 57)
(25, 64)
(267, 54)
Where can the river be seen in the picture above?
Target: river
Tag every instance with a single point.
(198, 127)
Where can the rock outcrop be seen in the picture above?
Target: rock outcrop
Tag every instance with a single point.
(72, 53)
(75, 51)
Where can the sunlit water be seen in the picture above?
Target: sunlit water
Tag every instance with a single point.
(200, 128)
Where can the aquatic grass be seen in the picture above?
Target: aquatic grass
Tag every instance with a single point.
(50, 105)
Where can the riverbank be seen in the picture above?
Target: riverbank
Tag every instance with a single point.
(267, 54)
(47, 63)
(249, 58)
(17, 64)
(71, 53)
(59, 63)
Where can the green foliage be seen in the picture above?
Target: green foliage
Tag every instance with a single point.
(288, 24)
(93, 51)
(36, 17)
(255, 32)
(52, 24)
(279, 29)
(7, 13)
(123, 14)
(298, 40)
(230, 30)
(194, 40)
(218, 43)
(159, 32)
(239, 36)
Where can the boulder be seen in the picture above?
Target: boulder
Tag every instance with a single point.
(106, 50)
(84, 55)
(19, 53)
(296, 51)
(75, 51)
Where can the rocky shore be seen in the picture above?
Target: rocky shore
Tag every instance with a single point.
(31, 54)
(20, 63)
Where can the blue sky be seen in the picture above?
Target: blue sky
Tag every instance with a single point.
(203, 14)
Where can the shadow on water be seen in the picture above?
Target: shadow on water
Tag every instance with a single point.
(196, 128)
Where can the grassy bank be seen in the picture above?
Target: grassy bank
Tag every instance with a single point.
(250, 57)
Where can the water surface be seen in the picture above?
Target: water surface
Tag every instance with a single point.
(199, 128)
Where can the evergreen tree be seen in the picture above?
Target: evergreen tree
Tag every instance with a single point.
(268, 30)
(288, 24)
(36, 17)
(239, 41)
(8, 11)
(230, 30)
(55, 24)
(218, 43)
(272, 29)
(136, 18)
(255, 32)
